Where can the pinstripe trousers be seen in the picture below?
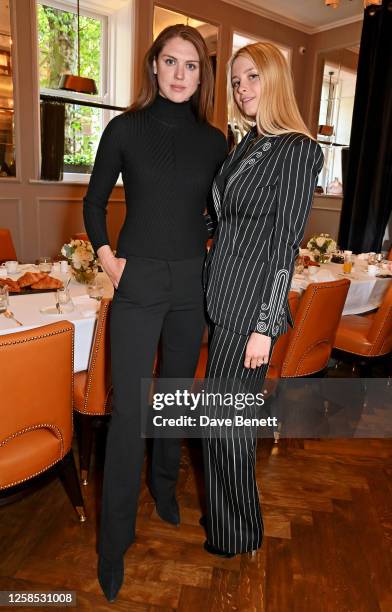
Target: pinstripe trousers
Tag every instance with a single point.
(234, 519)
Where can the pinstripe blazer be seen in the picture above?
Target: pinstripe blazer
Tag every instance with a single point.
(261, 211)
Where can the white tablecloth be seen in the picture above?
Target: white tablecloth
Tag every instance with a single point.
(365, 292)
(26, 309)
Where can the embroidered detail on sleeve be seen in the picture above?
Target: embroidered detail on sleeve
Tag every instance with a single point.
(271, 314)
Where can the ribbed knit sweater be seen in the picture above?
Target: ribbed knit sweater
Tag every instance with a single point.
(168, 160)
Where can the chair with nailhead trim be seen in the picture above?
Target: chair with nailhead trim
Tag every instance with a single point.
(93, 388)
(36, 424)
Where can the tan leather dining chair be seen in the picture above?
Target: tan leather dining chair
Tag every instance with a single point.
(363, 339)
(315, 324)
(93, 387)
(279, 351)
(389, 256)
(308, 346)
(36, 423)
(7, 249)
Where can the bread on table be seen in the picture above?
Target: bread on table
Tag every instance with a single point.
(29, 278)
(12, 285)
(49, 282)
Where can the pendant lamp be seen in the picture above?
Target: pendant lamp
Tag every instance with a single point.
(72, 82)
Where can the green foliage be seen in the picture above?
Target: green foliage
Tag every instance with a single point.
(79, 158)
(57, 39)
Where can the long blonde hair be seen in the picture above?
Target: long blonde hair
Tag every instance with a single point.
(278, 111)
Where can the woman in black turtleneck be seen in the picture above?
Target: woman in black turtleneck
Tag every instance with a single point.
(168, 155)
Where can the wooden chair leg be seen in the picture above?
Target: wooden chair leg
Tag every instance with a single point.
(85, 445)
(70, 480)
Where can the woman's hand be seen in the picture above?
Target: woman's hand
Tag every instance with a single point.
(257, 350)
(113, 266)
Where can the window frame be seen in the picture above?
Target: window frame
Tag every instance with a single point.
(74, 177)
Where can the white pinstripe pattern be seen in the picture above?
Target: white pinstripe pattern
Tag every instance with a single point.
(233, 510)
(262, 211)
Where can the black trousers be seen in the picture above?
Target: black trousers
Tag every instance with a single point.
(155, 298)
(234, 519)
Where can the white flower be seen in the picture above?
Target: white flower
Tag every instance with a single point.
(80, 254)
(320, 241)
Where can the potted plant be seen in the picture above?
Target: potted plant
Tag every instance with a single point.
(78, 162)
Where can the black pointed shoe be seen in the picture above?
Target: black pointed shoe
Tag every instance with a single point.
(110, 577)
(216, 551)
(203, 521)
(169, 511)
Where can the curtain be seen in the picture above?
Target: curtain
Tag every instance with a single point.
(52, 140)
(367, 201)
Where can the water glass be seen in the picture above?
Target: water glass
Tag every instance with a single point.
(64, 299)
(4, 301)
(45, 264)
(95, 291)
(372, 260)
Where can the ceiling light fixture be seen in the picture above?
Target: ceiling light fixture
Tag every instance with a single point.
(369, 2)
(366, 3)
(72, 82)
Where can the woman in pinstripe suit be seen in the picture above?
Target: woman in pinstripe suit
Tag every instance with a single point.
(262, 198)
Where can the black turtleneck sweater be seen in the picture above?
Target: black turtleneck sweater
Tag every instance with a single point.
(168, 160)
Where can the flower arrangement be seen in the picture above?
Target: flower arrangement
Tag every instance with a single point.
(82, 259)
(321, 246)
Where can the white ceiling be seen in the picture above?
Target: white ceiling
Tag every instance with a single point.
(307, 15)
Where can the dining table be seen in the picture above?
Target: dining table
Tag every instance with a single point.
(365, 292)
(36, 309)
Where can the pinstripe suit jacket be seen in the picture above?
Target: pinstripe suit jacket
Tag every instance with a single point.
(261, 212)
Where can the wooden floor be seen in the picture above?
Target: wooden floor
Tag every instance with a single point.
(328, 533)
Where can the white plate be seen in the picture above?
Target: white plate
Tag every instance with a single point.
(53, 312)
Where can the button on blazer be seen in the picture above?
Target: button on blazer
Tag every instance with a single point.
(260, 214)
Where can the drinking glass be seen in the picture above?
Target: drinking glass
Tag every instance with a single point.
(95, 291)
(348, 263)
(299, 264)
(64, 299)
(3, 299)
(45, 264)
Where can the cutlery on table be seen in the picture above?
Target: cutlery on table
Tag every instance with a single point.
(58, 308)
(10, 315)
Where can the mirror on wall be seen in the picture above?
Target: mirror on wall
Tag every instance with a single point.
(164, 18)
(7, 132)
(335, 115)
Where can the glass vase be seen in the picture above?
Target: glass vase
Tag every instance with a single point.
(322, 258)
(84, 276)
